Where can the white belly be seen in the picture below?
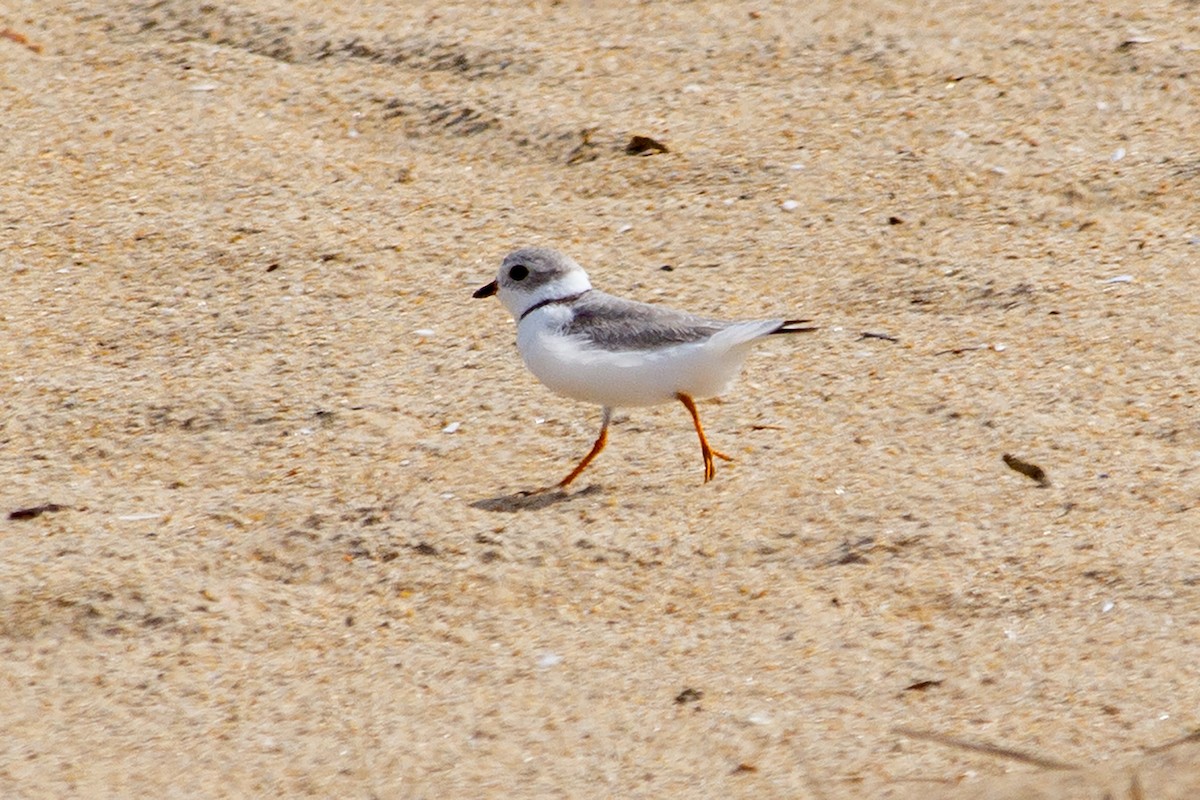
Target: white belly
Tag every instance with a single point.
(633, 377)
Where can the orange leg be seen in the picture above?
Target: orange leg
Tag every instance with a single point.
(705, 449)
(601, 440)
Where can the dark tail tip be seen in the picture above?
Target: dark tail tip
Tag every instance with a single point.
(795, 326)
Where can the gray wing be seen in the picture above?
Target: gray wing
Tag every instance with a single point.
(615, 323)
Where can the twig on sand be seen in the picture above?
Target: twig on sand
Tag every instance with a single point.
(988, 749)
(958, 351)
(1194, 736)
(885, 337)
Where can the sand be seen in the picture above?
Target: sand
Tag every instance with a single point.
(270, 452)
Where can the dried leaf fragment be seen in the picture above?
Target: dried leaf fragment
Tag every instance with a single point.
(1031, 471)
(644, 145)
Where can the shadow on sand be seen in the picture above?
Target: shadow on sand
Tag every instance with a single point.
(531, 501)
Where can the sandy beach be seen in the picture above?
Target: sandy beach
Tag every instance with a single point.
(262, 456)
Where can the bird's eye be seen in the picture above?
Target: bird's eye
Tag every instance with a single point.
(519, 273)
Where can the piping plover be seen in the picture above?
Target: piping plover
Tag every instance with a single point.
(601, 349)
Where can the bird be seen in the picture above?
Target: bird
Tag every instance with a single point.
(613, 352)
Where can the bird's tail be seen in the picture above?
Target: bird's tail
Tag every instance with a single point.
(794, 326)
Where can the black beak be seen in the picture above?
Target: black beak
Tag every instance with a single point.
(487, 291)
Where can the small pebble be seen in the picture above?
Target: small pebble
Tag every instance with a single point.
(452, 427)
(789, 205)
